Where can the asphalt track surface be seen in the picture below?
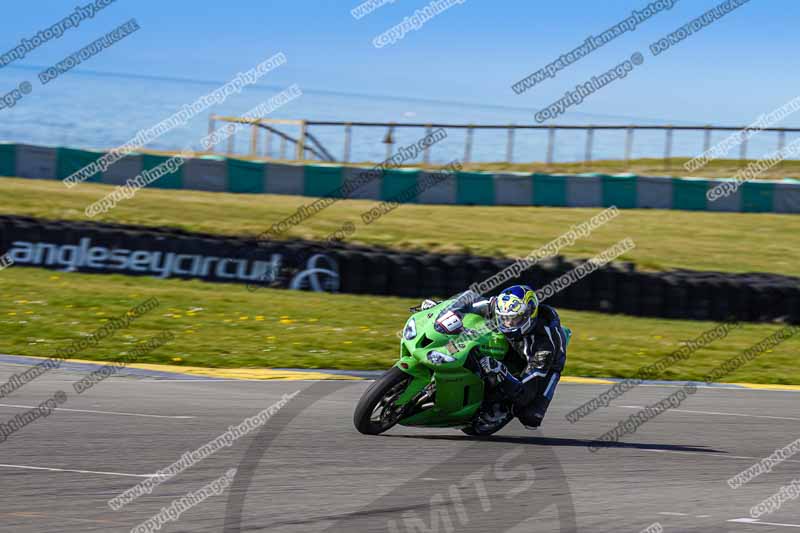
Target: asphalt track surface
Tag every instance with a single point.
(307, 469)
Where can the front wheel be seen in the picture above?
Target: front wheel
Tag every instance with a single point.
(376, 412)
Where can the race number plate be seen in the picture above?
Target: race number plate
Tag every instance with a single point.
(450, 322)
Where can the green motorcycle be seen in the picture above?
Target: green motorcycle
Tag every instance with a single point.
(436, 382)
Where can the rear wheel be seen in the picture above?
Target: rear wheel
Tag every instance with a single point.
(376, 412)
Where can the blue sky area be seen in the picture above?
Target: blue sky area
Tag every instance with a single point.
(729, 72)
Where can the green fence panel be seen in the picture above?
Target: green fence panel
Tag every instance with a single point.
(620, 191)
(549, 190)
(246, 176)
(757, 197)
(323, 181)
(397, 183)
(70, 161)
(474, 188)
(689, 194)
(172, 180)
(8, 159)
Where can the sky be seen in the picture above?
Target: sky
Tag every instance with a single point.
(729, 72)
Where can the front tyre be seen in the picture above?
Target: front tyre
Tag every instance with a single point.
(376, 412)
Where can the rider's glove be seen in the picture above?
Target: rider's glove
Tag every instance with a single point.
(427, 304)
(541, 359)
(493, 367)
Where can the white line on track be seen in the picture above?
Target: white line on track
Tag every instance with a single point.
(180, 417)
(681, 384)
(139, 378)
(757, 522)
(714, 413)
(26, 467)
(710, 454)
(718, 386)
(674, 514)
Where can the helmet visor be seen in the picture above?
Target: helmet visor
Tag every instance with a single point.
(512, 321)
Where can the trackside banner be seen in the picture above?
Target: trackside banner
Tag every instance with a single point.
(598, 284)
(77, 248)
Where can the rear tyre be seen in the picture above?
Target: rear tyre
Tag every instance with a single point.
(376, 411)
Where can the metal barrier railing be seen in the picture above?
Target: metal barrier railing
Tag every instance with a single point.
(306, 143)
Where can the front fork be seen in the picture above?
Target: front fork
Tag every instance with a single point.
(421, 378)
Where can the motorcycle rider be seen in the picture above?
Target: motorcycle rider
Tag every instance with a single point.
(537, 354)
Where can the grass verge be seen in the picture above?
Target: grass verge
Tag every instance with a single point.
(732, 242)
(225, 326)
